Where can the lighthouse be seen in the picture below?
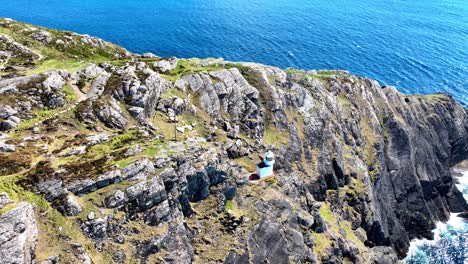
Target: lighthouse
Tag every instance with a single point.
(265, 168)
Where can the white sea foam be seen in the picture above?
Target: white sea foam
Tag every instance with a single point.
(454, 221)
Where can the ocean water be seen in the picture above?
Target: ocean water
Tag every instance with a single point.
(419, 46)
(450, 244)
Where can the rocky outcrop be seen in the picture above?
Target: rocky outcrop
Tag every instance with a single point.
(18, 234)
(230, 93)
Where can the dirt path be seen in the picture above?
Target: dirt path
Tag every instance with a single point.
(80, 97)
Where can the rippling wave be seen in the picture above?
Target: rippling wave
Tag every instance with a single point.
(420, 46)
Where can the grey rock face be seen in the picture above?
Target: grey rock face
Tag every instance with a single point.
(148, 196)
(16, 49)
(6, 125)
(97, 139)
(72, 207)
(18, 234)
(42, 36)
(80, 253)
(167, 64)
(52, 189)
(233, 94)
(7, 147)
(111, 115)
(93, 41)
(7, 111)
(382, 255)
(82, 187)
(139, 170)
(4, 200)
(137, 93)
(149, 55)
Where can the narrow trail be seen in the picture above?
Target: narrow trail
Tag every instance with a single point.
(80, 97)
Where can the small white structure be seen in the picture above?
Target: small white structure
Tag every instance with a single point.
(265, 168)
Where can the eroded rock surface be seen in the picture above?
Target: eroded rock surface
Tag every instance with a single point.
(18, 234)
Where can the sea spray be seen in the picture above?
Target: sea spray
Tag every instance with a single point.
(450, 244)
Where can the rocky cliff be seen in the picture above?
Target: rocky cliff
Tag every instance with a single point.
(108, 156)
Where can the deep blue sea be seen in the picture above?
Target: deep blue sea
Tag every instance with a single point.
(419, 46)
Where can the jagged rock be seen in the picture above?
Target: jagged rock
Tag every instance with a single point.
(305, 220)
(236, 150)
(135, 150)
(78, 151)
(139, 170)
(7, 111)
(6, 125)
(14, 119)
(11, 89)
(52, 189)
(93, 42)
(82, 187)
(95, 228)
(16, 49)
(80, 253)
(171, 115)
(51, 260)
(148, 55)
(97, 139)
(7, 147)
(91, 216)
(382, 255)
(159, 213)
(167, 64)
(119, 198)
(143, 94)
(119, 257)
(42, 36)
(18, 234)
(147, 196)
(4, 199)
(72, 207)
(111, 115)
(197, 180)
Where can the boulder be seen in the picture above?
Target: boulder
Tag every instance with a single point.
(42, 36)
(80, 253)
(7, 111)
(166, 64)
(6, 125)
(4, 199)
(148, 55)
(139, 170)
(82, 187)
(7, 147)
(18, 234)
(97, 139)
(52, 189)
(72, 207)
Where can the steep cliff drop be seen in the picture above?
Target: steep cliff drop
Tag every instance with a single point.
(449, 244)
(87, 143)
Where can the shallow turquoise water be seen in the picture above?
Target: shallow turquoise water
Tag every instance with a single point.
(419, 46)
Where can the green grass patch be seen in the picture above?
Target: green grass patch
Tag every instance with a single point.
(190, 66)
(275, 136)
(39, 116)
(70, 94)
(68, 65)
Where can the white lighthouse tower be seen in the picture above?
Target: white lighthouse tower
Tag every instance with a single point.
(265, 168)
